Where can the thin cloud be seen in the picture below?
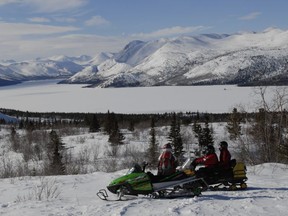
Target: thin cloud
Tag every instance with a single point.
(65, 44)
(22, 29)
(4, 2)
(48, 6)
(65, 19)
(250, 16)
(55, 5)
(96, 21)
(176, 30)
(39, 19)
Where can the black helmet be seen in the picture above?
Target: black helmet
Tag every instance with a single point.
(209, 149)
(223, 144)
(167, 146)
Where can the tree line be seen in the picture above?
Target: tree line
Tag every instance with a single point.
(260, 136)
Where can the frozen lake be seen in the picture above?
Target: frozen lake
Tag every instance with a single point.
(48, 96)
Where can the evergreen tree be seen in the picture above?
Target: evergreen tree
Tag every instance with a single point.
(152, 152)
(115, 136)
(204, 135)
(131, 125)
(55, 149)
(109, 122)
(94, 124)
(207, 137)
(178, 146)
(15, 144)
(175, 136)
(234, 124)
(172, 132)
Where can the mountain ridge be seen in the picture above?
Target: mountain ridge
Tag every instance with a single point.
(247, 58)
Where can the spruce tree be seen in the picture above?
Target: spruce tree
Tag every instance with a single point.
(152, 153)
(94, 124)
(175, 136)
(54, 152)
(115, 136)
(178, 145)
(207, 137)
(234, 124)
(109, 122)
(204, 135)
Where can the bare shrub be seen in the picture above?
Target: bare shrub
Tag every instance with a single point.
(265, 135)
(109, 165)
(47, 189)
(131, 155)
(84, 155)
(95, 151)
(112, 150)
(6, 167)
(76, 165)
(21, 168)
(81, 139)
(67, 131)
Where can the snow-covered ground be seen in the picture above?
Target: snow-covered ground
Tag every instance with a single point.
(47, 96)
(267, 194)
(74, 195)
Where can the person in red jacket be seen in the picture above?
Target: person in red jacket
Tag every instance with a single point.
(209, 160)
(166, 161)
(225, 156)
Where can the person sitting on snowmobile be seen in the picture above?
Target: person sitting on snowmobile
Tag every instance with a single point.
(209, 160)
(225, 156)
(166, 161)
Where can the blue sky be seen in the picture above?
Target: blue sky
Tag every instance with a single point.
(43, 28)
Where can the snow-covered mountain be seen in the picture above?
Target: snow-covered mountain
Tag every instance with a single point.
(243, 58)
(246, 58)
(12, 72)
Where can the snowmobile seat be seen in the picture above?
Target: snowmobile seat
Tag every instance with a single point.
(179, 175)
(226, 173)
(233, 163)
(155, 178)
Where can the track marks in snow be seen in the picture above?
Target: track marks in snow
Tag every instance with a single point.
(187, 203)
(132, 204)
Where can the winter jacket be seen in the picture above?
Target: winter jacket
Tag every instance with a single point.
(224, 158)
(166, 164)
(209, 161)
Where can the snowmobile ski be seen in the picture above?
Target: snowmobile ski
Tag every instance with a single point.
(103, 195)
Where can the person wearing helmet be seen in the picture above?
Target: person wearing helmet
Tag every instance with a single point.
(166, 161)
(225, 156)
(209, 160)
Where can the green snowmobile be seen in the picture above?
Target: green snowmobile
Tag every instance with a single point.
(184, 183)
(138, 182)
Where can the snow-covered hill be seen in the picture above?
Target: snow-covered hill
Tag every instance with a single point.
(7, 119)
(246, 58)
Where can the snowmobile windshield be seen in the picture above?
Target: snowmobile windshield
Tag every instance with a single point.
(187, 163)
(135, 169)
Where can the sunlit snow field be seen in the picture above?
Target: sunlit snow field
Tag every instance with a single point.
(47, 96)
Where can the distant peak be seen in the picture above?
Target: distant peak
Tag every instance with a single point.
(133, 43)
(272, 29)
